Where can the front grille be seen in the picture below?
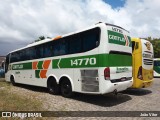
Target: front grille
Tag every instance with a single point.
(148, 62)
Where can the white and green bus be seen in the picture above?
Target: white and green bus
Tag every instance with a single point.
(96, 60)
(157, 67)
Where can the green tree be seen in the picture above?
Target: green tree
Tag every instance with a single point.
(40, 38)
(156, 46)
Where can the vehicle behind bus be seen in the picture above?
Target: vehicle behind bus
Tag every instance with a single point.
(142, 56)
(96, 60)
(157, 67)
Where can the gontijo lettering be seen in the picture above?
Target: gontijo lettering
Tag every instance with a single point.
(19, 66)
(113, 37)
(118, 38)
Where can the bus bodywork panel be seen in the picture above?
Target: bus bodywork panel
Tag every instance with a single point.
(119, 58)
(142, 63)
(85, 70)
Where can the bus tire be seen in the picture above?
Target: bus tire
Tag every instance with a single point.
(12, 81)
(66, 88)
(53, 87)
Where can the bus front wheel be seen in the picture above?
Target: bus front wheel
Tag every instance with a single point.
(12, 81)
(66, 88)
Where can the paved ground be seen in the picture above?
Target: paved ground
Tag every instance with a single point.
(147, 99)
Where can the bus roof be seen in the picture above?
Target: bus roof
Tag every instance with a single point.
(136, 39)
(117, 26)
(100, 24)
(139, 39)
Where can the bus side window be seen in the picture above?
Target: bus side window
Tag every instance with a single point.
(23, 55)
(56, 48)
(48, 48)
(133, 45)
(31, 53)
(136, 45)
(39, 51)
(75, 44)
(90, 39)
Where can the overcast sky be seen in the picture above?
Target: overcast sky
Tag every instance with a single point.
(23, 21)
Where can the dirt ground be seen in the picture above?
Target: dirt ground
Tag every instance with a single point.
(146, 99)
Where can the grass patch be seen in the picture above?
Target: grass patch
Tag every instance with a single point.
(4, 84)
(2, 79)
(15, 102)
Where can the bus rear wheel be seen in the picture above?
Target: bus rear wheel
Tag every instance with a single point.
(53, 87)
(66, 88)
(12, 81)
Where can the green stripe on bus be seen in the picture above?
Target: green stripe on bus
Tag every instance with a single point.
(67, 62)
(119, 60)
(101, 60)
(118, 38)
(40, 63)
(37, 73)
(22, 66)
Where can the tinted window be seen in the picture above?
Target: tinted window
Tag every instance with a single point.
(63, 47)
(48, 49)
(137, 45)
(15, 57)
(60, 47)
(75, 44)
(23, 55)
(56, 48)
(12, 58)
(27, 56)
(39, 51)
(90, 39)
(133, 45)
(120, 53)
(30, 53)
